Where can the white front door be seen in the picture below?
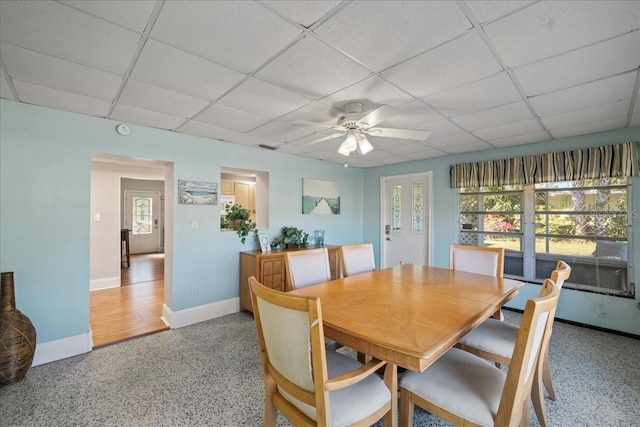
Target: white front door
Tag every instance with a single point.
(142, 217)
(406, 219)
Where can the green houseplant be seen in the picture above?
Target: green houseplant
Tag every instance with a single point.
(238, 219)
(290, 237)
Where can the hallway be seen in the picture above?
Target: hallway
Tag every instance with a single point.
(132, 309)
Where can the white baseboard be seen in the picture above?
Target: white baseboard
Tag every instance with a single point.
(106, 283)
(61, 349)
(189, 316)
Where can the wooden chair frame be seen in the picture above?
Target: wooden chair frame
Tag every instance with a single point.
(500, 251)
(324, 270)
(319, 396)
(342, 253)
(514, 403)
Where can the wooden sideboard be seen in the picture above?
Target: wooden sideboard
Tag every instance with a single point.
(270, 270)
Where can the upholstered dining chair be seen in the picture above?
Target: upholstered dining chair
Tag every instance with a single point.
(308, 267)
(307, 384)
(356, 259)
(466, 390)
(494, 340)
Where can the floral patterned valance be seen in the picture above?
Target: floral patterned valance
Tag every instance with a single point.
(620, 160)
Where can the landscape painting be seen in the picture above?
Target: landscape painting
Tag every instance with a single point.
(197, 193)
(320, 197)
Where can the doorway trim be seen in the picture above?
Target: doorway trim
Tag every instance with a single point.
(428, 176)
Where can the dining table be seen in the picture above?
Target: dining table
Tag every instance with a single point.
(407, 315)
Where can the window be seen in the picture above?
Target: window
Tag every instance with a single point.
(585, 223)
(142, 214)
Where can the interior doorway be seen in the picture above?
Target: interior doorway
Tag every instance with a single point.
(406, 219)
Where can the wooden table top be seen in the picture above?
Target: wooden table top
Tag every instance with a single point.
(408, 315)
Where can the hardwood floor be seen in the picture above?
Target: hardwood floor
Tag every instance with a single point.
(132, 309)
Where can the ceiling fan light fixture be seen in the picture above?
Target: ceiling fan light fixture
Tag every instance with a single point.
(343, 149)
(364, 146)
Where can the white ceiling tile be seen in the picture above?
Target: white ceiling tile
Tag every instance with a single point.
(441, 128)
(635, 120)
(252, 140)
(5, 91)
(520, 139)
(312, 69)
(258, 97)
(428, 153)
(153, 98)
(587, 128)
(316, 112)
(281, 132)
(514, 129)
(467, 148)
(461, 61)
(206, 131)
(588, 115)
(450, 141)
(143, 117)
(303, 12)
(238, 34)
(494, 117)
(581, 66)
(229, 118)
(362, 29)
(183, 72)
(67, 101)
(411, 115)
(480, 95)
(603, 91)
(489, 10)
(399, 147)
(60, 31)
(132, 14)
(370, 91)
(560, 26)
(32, 67)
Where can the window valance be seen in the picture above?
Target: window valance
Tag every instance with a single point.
(619, 160)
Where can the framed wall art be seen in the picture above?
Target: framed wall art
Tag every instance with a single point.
(320, 197)
(197, 193)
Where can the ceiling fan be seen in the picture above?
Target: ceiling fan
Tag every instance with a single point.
(356, 127)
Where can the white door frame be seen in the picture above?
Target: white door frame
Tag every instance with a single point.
(160, 214)
(428, 212)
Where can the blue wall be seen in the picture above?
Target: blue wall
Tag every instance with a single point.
(620, 314)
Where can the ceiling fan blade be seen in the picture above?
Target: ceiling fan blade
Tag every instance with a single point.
(378, 115)
(417, 135)
(314, 124)
(324, 138)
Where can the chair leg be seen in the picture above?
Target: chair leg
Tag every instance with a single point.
(406, 408)
(546, 376)
(537, 397)
(270, 411)
(391, 380)
(526, 414)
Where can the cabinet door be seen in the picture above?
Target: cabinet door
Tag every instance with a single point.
(272, 272)
(226, 187)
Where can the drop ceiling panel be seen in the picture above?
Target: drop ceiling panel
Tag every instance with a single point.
(370, 91)
(312, 69)
(281, 132)
(499, 116)
(588, 115)
(600, 92)
(417, 27)
(131, 14)
(317, 113)
(441, 128)
(61, 100)
(206, 131)
(461, 61)
(560, 26)
(252, 140)
(635, 120)
(183, 72)
(486, 11)
(520, 139)
(238, 34)
(450, 141)
(411, 115)
(60, 31)
(230, 118)
(43, 70)
(305, 13)
(467, 148)
(153, 98)
(480, 95)
(513, 129)
(143, 117)
(258, 97)
(591, 63)
(600, 126)
(5, 91)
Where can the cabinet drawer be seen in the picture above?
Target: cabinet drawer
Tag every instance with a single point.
(272, 272)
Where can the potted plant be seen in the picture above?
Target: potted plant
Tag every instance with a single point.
(290, 237)
(238, 219)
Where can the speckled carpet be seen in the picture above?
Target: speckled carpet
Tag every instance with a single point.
(209, 374)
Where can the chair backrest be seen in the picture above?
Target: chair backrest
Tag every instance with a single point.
(356, 259)
(308, 267)
(532, 336)
(477, 259)
(561, 273)
(291, 341)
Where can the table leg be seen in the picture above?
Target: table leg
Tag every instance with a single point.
(391, 380)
